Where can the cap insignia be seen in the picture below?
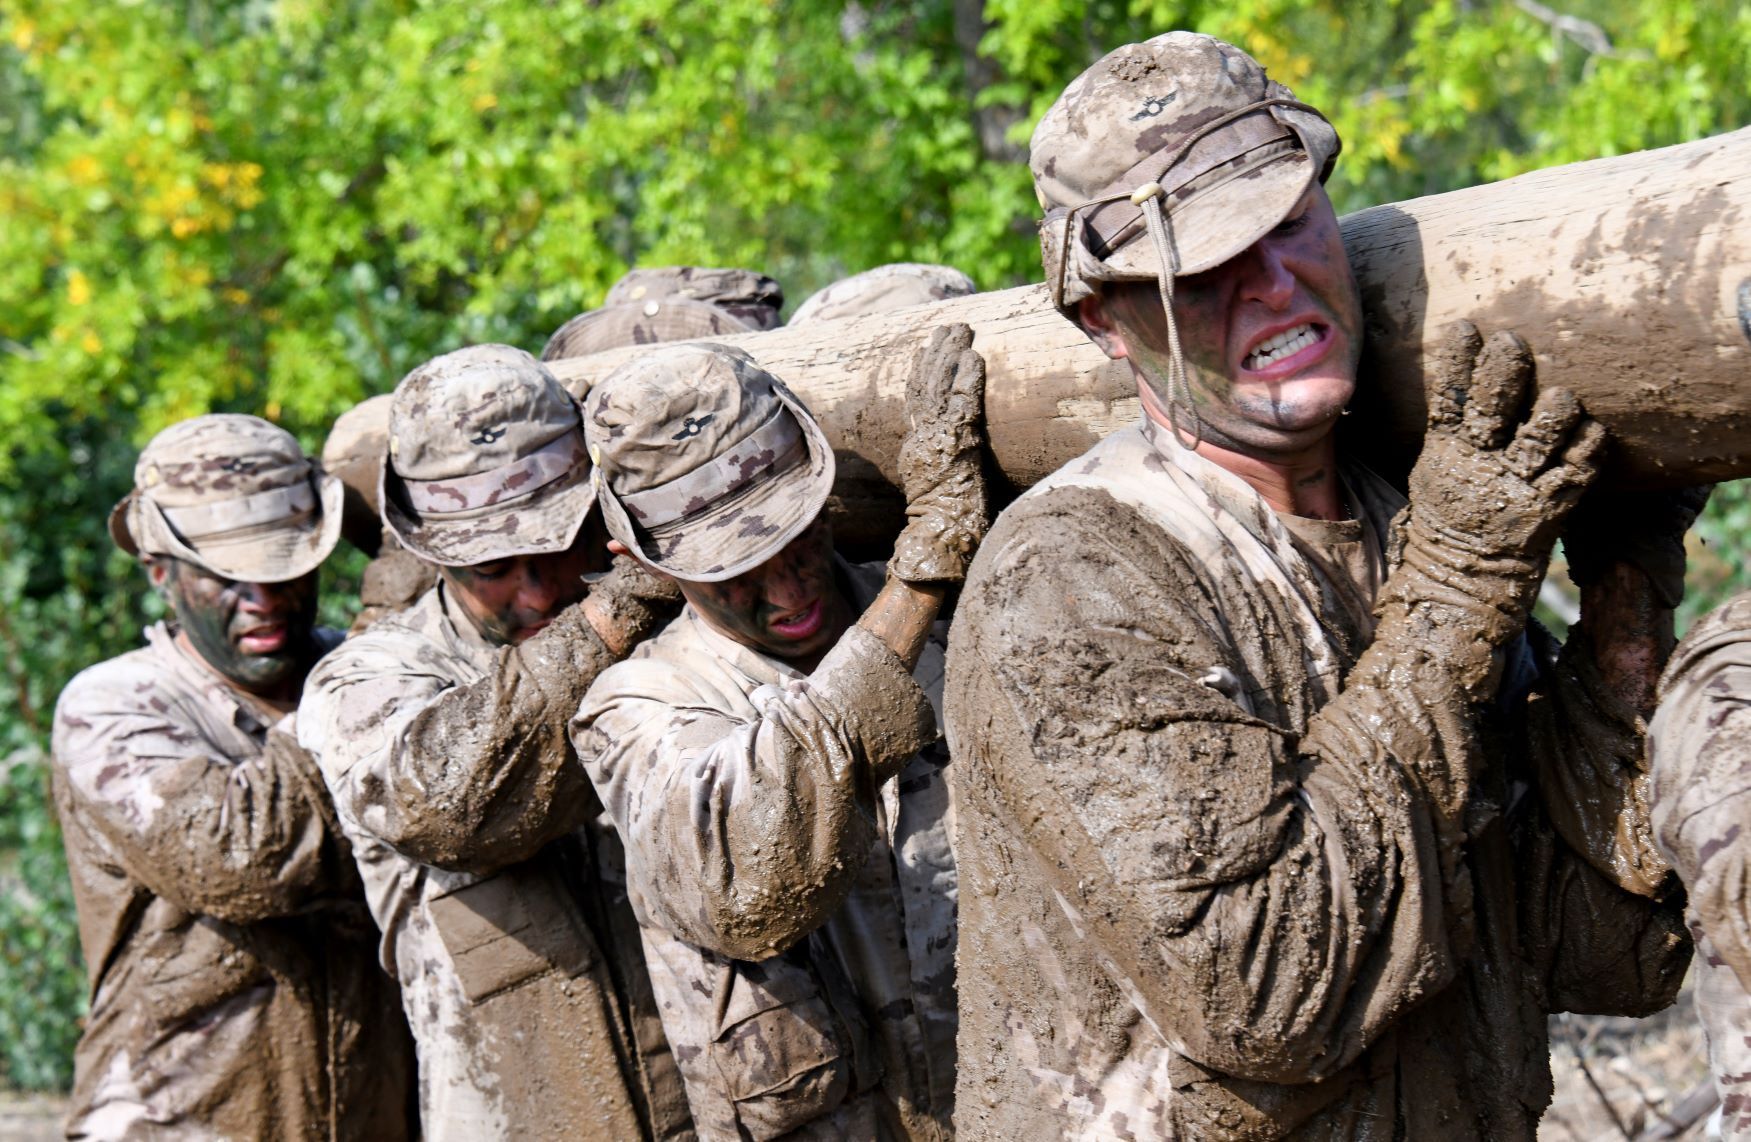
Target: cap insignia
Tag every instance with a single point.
(1155, 105)
(690, 426)
(488, 435)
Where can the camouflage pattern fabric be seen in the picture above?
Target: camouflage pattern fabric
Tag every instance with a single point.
(486, 459)
(234, 993)
(788, 856)
(708, 465)
(1167, 121)
(753, 298)
(1699, 746)
(495, 882)
(641, 323)
(233, 495)
(894, 286)
(1195, 903)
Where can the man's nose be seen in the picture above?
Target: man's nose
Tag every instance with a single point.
(785, 585)
(542, 591)
(1268, 276)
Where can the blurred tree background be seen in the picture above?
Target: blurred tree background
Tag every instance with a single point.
(280, 206)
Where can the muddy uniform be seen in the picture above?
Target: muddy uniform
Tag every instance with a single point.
(1196, 906)
(1699, 748)
(234, 989)
(497, 888)
(831, 1009)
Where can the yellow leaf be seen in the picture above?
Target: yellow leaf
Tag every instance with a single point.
(84, 170)
(23, 35)
(272, 410)
(90, 343)
(237, 296)
(485, 101)
(78, 288)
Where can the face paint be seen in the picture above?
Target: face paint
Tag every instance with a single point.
(510, 600)
(255, 635)
(1271, 337)
(789, 607)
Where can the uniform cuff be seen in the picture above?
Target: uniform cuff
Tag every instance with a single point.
(882, 706)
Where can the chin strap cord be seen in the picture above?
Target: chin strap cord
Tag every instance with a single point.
(1148, 198)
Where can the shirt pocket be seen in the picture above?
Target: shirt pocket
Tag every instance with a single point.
(789, 1046)
(511, 927)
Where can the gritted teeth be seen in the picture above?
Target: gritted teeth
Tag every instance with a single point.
(1282, 345)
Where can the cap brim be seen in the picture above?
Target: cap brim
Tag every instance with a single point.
(255, 555)
(744, 530)
(1222, 219)
(546, 521)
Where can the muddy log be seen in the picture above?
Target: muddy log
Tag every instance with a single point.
(1630, 276)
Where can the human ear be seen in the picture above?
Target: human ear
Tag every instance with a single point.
(1095, 316)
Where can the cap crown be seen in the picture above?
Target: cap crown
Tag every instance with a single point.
(641, 323)
(672, 411)
(475, 410)
(1137, 101)
(216, 458)
(753, 297)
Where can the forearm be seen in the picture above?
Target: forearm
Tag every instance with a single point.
(484, 775)
(1630, 632)
(240, 841)
(744, 833)
(902, 615)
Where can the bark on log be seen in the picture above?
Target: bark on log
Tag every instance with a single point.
(1629, 276)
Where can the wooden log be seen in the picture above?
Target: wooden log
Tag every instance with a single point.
(1629, 276)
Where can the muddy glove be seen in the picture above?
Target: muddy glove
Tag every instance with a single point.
(1644, 529)
(629, 603)
(940, 469)
(1489, 492)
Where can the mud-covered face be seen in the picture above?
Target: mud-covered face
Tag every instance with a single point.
(256, 635)
(1272, 336)
(789, 606)
(510, 600)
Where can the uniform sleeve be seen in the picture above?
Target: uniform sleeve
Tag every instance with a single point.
(239, 840)
(1270, 902)
(743, 835)
(1605, 914)
(468, 776)
(1699, 747)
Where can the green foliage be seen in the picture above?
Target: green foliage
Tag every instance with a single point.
(280, 206)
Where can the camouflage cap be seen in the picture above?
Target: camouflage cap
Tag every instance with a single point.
(641, 323)
(1183, 122)
(893, 286)
(353, 454)
(755, 298)
(232, 495)
(705, 463)
(486, 459)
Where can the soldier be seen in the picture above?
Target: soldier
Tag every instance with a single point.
(1271, 823)
(748, 296)
(772, 758)
(441, 731)
(893, 286)
(1699, 747)
(233, 988)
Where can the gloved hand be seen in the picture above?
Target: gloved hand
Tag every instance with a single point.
(939, 463)
(1490, 490)
(1645, 529)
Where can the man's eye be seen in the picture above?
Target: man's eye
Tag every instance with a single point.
(489, 570)
(1291, 224)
